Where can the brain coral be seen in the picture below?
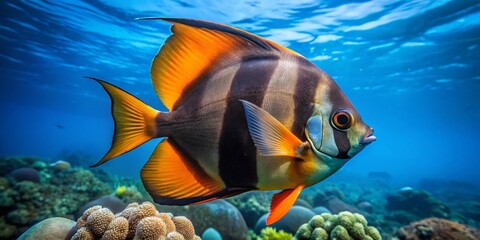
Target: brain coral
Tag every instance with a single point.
(436, 229)
(137, 221)
(345, 225)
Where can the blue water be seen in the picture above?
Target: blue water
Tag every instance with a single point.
(412, 69)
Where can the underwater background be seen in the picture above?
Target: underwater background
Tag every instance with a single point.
(411, 68)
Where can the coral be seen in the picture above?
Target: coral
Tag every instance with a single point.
(26, 174)
(143, 210)
(98, 221)
(58, 194)
(270, 233)
(175, 236)
(52, 228)
(167, 219)
(184, 227)
(7, 231)
(120, 191)
(131, 194)
(290, 222)
(436, 229)
(345, 225)
(421, 203)
(117, 229)
(83, 234)
(137, 221)
(150, 228)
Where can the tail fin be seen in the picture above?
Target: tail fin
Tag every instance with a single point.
(134, 121)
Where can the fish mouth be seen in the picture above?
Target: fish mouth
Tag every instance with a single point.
(369, 138)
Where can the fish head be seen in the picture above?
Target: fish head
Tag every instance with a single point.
(336, 131)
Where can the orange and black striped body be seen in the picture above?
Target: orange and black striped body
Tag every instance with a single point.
(245, 114)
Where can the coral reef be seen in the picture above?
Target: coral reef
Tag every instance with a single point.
(218, 214)
(345, 225)
(436, 229)
(290, 222)
(137, 221)
(57, 194)
(420, 203)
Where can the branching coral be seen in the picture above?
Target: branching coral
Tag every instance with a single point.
(345, 225)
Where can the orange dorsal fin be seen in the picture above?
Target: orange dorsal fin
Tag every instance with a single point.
(173, 179)
(269, 135)
(194, 48)
(134, 121)
(281, 203)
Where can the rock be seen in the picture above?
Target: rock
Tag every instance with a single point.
(302, 203)
(290, 222)
(365, 206)
(252, 205)
(49, 229)
(111, 202)
(26, 174)
(336, 205)
(421, 203)
(218, 214)
(320, 210)
(322, 197)
(211, 234)
(437, 229)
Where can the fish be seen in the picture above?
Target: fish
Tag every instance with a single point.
(244, 114)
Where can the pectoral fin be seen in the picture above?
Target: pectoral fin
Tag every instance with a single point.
(281, 203)
(269, 135)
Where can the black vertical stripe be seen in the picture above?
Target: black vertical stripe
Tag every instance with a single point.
(339, 101)
(343, 145)
(308, 78)
(237, 152)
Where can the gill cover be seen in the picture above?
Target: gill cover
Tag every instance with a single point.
(314, 131)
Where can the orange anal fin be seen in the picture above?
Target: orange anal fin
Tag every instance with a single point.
(174, 179)
(281, 203)
(269, 135)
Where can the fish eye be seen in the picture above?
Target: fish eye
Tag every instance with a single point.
(342, 120)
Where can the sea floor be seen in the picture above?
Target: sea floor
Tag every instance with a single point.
(34, 189)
